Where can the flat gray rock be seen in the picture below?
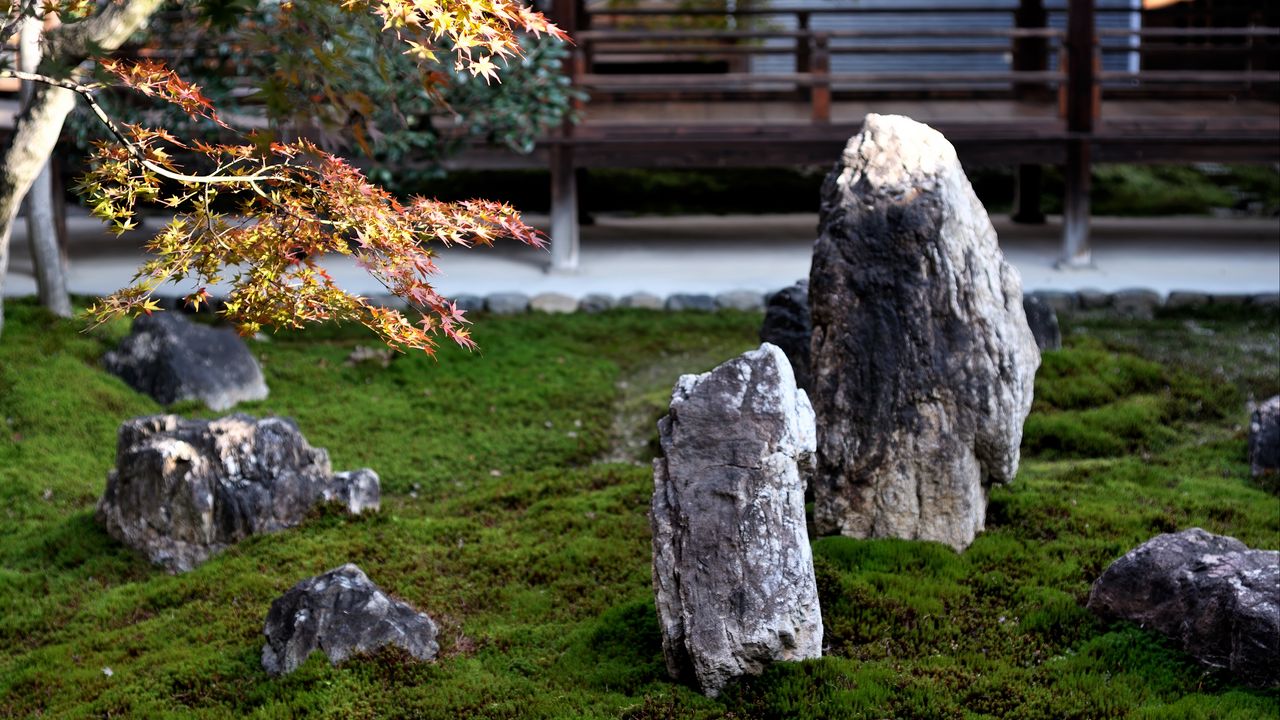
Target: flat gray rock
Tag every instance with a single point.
(1211, 595)
(185, 490)
(555, 303)
(1137, 303)
(596, 303)
(641, 301)
(695, 302)
(1181, 299)
(732, 567)
(469, 303)
(744, 300)
(1264, 439)
(1060, 301)
(342, 613)
(507, 303)
(171, 359)
(923, 363)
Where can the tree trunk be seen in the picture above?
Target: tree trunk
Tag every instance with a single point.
(42, 234)
(36, 129)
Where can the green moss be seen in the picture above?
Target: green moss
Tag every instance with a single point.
(538, 574)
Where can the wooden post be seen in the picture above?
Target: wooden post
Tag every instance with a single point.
(564, 181)
(820, 89)
(1083, 105)
(1030, 54)
(804, 60)
(564, 210)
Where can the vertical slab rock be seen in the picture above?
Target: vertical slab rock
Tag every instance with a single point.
(343, 613)
(185, 490)
(732, 566)
(922, 360)
(786, 324)
(1210, 594)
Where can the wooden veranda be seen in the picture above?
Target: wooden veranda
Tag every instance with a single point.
(678, 87)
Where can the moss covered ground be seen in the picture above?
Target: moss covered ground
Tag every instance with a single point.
(515, 490)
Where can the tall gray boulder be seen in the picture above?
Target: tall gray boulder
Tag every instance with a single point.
(171, 358)
(732, 566)
(184, 490)
(343, 613)
(922, 360)
(1211, 595)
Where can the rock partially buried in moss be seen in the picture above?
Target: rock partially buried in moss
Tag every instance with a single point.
(171, 359)
(1214, 597)
(185, 490)
(732, 566)
(1264, 439)
(923, 363)
(343, 613)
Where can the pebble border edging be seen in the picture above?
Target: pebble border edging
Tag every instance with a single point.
(1131, 302)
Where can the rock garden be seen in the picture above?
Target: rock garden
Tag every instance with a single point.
(896, 489)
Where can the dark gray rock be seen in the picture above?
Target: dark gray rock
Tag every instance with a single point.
(684, 301)
(923, 363)
(745, 300)
(171, 358)
(343, 613)
(786, 324)
(1183, 299)
(1264, 439)
(1060, 301)
(1211, 595)
(1231, 299)
(1092, 299)
(732, 567)
(641, 300)
(1137, 303)
(469, 303)
(507, 303)
(185, 490)
(596, 303)
(1265, 300)
(1043, 322)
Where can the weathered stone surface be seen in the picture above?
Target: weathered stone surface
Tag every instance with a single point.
(923, 363)
(1060, 301)
(1211, 595)
(507, 303)
(184, 490)
(171, 358)
(1265, 300)
(1136, 303)
(469, 303)
(555, 303)
(343, 613)
(745, 300)
(1182, 299)
(685, 301)
(596, 303)
(786, 324)
(1231, 299)
(732, 567)
(642, 301)
(1264, 439)
(1043, 322)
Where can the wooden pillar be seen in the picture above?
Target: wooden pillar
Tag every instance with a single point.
(1030, 54)
(820, 87)
(1082, 107)
(564, 210)
(804, 56)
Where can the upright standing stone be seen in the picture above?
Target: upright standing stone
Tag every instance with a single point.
(171, 358)
(732, 567)
(1043, 322)
(922, 359)
(1264, 439)
(1210, 594)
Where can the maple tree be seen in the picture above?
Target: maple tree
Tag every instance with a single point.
(293, 203)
